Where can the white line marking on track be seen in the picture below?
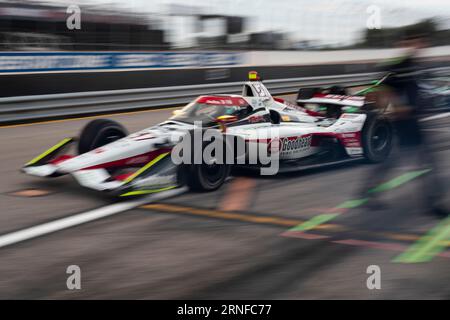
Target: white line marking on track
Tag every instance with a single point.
(68, 222)
(437, 116)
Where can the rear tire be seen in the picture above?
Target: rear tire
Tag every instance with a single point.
(337, 90)
(98, 133)
(306, 93)
(376, 138)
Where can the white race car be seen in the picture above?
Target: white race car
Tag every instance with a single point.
(323, 128)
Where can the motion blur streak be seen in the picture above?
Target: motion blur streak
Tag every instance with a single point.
(238, 194)
(153, 250)
(307, 234)
(57, 225)
(428, 246)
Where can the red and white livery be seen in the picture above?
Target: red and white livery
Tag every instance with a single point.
(321, 129)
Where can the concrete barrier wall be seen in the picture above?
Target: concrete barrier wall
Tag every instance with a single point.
(59, 75)
(66, 82)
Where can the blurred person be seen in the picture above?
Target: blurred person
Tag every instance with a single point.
(401, 92)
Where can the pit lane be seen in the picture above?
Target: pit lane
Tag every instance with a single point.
(200, 246)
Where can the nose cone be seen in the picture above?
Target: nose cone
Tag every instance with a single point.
(120, 153)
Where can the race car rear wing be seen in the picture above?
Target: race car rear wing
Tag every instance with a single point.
(342, 100)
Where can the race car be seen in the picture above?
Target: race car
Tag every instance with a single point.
(107, 158)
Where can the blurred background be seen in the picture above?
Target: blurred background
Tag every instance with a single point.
(133, 61)
(231, 25)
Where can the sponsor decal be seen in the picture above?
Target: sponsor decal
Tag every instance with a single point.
(290, 105)
(296, 144)
(260, 90)
(59, 61)
(256, 119)
(288, 145)
(351, 139)
(340, 97)
(230, 101)
(348, 135)
(354, 150)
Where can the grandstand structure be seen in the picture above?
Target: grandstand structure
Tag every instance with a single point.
(43, 26)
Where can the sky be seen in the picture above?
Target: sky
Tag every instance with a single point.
(325, 21)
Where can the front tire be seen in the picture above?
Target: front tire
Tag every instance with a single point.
(376, 138)
(205, 177)
(98, 133)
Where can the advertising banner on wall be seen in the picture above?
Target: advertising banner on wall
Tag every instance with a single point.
(68, 61)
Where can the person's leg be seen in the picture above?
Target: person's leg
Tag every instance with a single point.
(433, 186)
(378, 174)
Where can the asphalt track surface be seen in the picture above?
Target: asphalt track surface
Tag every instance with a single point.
(233, 243)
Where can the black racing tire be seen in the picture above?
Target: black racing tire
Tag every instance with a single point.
(203, 177)
(98, 133)
(339, 90)
(306, 93)
(377, 136)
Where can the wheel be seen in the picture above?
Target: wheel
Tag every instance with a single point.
(337, 90)
(205, 176)
(306, 93)
(98, 133)
(376, 138)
